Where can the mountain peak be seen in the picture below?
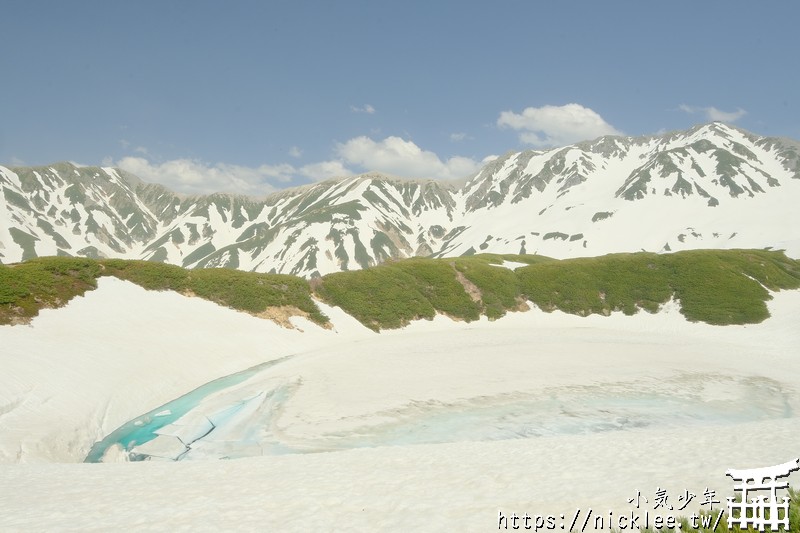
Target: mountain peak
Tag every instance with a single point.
(709, 186)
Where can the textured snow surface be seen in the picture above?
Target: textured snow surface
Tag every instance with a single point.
(78, 373)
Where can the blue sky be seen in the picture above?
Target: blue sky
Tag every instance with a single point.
(251, 97)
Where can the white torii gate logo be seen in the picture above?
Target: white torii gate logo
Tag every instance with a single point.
(761, 511)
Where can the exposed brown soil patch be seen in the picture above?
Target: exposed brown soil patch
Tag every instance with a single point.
(522, 305)
(472, 289)
(281, 315)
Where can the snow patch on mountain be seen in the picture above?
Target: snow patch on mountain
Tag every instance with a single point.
(714, 186)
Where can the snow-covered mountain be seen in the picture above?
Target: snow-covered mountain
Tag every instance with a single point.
(714, 186)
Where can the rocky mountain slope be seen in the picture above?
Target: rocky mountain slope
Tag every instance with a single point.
(714, 186)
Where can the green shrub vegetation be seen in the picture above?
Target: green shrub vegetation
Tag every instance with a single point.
(49, 282)
(623, 282)
(499, 287)
(151, 275)
(43, 282)
(720, 287)
(436, 281)
(391, 295)
(714, 286)
(246, 291)
(254, 292)
(380, 297)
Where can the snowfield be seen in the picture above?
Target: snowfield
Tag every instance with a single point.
(440, 425)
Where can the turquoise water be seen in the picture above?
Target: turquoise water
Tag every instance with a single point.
(143, 428)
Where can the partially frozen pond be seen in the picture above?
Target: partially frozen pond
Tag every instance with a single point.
(245, 421)
(144, 428)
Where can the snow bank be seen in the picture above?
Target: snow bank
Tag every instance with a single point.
(78, 373)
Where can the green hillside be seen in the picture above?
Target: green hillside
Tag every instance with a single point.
(713, 286)
(50, 282)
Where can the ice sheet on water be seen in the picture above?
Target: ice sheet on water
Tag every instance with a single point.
(244, 426)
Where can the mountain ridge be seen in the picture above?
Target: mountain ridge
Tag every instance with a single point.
(712, 186)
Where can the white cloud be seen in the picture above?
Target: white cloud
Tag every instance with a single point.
(324, 170)
(722, 116)
(295, 152)
(713, 114)
(392, 155)
(399, 157)
(458, 137)
(556, 125)
(192, 176)
(366, 108)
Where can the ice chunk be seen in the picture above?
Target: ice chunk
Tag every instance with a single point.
(164, 446)
(188, 428)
